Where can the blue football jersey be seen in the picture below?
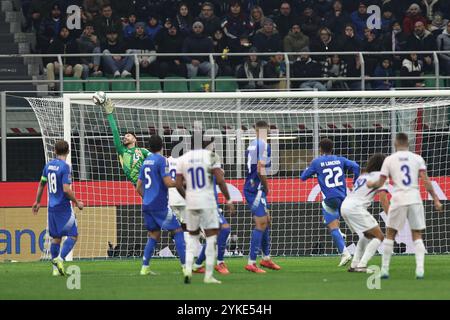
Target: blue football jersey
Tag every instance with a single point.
(57, 173)
(152, 173)
(258, 150)
(330, 171)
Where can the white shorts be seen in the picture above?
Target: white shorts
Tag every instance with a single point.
(357, 218)
(202, 218)
(413, 212)
(180, 212)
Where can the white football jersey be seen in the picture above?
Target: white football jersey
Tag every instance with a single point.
(403, 169)
(175, 198)
(196, 167)
(361, 195)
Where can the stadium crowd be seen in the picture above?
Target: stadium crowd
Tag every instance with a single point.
(248, 26)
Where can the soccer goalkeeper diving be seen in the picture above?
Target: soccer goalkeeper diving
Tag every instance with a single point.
(131, 157)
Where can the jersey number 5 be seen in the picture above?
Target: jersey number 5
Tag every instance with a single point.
(147, 177)
(335, 173)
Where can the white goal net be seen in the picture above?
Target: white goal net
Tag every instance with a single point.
(359, 123)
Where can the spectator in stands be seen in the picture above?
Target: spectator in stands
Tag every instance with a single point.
(285, 19)
(89, 43)
(170, 41)
(335, 67)
(220, 43)
(412, 67)
(383, 69)
(295, 40)
(422, 40)
(387, 18)
(438, 24)
(337, 18)
(252, 68)
(443, 44)
(324, 43)
(353, 71)
(413, 15)
(257, 17)
(275, 68)
(122, 8)
(321, 7)
(210, 21)
(113, 62)
(37, 11)
(359, 20)
(130, 27)
(236, 24)
(153, 26)
(92, 8)
(371, 43)
(63, 44)
(348, 41)
(306, 67)
(395, 41)
(198, 42)
(268, 6)
(140, 43)
(309, 21)
(431, 7)
(267, 39)
(183, 19)
(49, 28)
(105, 22)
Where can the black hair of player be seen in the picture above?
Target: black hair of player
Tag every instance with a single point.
(375, 162)
(261, 124)
(326, 146)
(132, 133)
(402, 139)
(61, 148)
(156, 143)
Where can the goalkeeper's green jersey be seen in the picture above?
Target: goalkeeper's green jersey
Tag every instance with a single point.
(131, 159)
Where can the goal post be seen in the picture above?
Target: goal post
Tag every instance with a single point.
(359, 123)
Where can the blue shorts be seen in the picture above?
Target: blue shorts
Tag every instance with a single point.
(331, 209)
(160, 220)
(62, 223)
(257, 203)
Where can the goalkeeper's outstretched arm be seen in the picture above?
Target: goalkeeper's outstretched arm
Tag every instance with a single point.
(109, 107)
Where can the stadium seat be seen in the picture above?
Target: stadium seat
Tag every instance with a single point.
(200, 84)
(176, 85)
(150, 85)
(123, 86)
(72, 86)
(226, 86)
(97, 86)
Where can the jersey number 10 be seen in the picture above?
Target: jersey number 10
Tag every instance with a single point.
(197, 178)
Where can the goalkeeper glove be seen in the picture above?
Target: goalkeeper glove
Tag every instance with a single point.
(108, 106)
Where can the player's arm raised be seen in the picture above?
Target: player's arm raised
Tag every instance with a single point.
(37, 204)
(109, 107)
(220, 180)
(429, 187)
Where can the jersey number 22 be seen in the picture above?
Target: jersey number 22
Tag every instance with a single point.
(333, 174)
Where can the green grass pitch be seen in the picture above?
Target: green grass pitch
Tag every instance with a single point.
(300, 278)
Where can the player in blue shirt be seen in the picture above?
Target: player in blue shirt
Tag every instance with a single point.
(256, 189)
(222, 238)
(61, 218)
(330, 170)
(153, 183)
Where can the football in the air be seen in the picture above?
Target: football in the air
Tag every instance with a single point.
(99, 97)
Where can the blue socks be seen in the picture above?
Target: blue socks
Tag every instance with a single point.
(222, 243)
(181, 246)
(266, 242)
(68, 245)
(255, 244)
(54, 249)
(338, 240)
(148, 250)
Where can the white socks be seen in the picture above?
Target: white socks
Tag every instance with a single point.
(191, 244)
(388, 248)
(210, 253)
(371, 248)
(359, 252)
(420, 257)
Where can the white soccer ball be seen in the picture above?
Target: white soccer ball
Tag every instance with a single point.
(99, 97)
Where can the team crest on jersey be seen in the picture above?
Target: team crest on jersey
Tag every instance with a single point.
(137, 155)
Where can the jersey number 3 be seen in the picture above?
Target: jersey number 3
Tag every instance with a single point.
(333, 174)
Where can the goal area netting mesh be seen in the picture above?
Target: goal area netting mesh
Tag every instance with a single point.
(359, 123)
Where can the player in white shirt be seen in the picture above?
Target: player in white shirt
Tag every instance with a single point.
(354, 211)
(197, 168)
(404, 169)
